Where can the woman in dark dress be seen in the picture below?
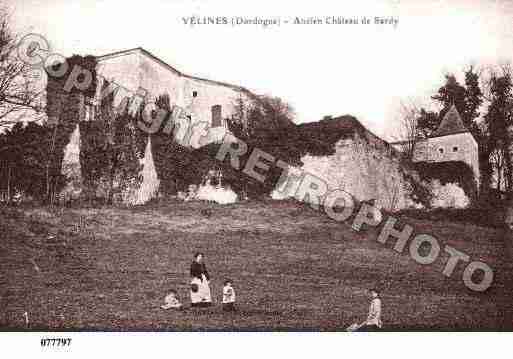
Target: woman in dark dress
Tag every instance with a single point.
(200, 280)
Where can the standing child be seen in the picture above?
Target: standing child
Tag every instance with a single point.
(228, 296)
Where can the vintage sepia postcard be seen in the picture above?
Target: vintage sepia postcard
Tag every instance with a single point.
(264, 166)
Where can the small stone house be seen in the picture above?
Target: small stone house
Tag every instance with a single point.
(451, 142)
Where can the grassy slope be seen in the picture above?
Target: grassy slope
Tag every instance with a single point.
(293, 268)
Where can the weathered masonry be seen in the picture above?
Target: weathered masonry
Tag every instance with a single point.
(138, 71)
(451, 142)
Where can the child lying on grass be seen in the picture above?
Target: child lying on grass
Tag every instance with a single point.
(171, 301)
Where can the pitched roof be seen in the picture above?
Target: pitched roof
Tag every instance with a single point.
(451, 124)
(171, 68)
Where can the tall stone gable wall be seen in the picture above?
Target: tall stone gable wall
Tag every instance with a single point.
(136, 69)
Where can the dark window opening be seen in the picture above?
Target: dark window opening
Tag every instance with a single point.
(441, 150)
(217, 119)
(194, 93)
(455, 149)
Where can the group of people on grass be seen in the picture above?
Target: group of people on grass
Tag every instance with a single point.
(201, 296)
(200, 289)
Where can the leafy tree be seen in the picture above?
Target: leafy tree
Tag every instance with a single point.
(427, 123)
(267, 125)
(467, 99)
(118, 149)
(172, 160)
(23, 152)
(452, 92)
(498, 119)
(473, 100)
(93, 161)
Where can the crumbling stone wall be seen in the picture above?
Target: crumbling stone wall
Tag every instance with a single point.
(362, 165)
(366, 170)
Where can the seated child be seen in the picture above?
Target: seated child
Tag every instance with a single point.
(172, 301)
(228, 296)
(373, 321)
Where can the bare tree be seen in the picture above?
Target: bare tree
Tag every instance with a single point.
(497, 160)
(20, 93)
(408, 131)
(239, 123)
(262, 112)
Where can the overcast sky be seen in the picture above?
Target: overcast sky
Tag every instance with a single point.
(320, 69)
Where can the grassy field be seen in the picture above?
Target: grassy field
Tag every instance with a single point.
(293, 268)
